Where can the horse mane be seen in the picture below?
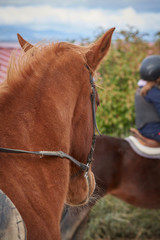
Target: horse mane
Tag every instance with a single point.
(23, 65)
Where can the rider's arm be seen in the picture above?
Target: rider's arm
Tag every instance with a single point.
(153, 96)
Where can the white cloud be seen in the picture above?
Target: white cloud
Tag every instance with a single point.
(43, 17)
(138, 5)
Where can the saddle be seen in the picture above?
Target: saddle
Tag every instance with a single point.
(143, 140)
(12, 225)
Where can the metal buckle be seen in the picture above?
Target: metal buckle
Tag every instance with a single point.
(86, 172)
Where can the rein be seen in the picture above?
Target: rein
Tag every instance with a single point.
(83, 167)
(47, 153)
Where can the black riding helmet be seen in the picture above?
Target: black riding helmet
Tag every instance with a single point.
(150, 68)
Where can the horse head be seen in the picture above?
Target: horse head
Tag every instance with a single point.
(79, 64)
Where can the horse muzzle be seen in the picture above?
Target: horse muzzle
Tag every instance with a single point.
(81, 195)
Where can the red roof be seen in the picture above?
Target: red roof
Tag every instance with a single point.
(5, 52)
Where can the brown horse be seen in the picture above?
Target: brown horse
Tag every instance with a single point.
(119, 171)
(45, 105)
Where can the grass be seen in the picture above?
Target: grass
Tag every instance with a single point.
(112, 219)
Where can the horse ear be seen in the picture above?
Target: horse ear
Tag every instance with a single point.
(99, 49)
(24, 44)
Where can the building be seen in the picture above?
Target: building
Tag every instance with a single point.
(5, 53)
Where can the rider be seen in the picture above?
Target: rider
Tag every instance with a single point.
(147, 98)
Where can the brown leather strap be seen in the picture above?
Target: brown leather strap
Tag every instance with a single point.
(143, 140)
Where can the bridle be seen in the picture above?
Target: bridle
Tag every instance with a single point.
(60, 154)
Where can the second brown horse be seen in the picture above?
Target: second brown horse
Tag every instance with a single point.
(119, 171)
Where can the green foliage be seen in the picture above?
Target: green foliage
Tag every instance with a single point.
(118, 76)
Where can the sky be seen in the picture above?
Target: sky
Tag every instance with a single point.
(60, 20)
